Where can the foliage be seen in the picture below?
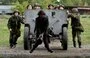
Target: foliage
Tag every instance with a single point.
(20, 6)
(45, 2)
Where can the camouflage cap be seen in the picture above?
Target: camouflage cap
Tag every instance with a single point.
(16, 11)
(75, 10)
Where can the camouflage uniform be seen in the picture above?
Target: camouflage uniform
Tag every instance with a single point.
(75, 23)
(14, 24)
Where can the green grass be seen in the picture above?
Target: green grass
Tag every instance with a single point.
(4, 33)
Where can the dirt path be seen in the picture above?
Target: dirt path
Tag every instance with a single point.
(41, 52)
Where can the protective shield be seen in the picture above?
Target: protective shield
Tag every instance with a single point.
(56, 19)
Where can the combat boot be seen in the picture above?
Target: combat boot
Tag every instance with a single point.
(11, 45)
(50, 51)
(79, 44)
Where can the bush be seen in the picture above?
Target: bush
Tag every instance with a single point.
(20, 7)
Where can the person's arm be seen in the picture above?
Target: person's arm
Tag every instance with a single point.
(9, 24)
(35, 25)
(78, 16)
(47, 22)
(21, 20)
(69, 16)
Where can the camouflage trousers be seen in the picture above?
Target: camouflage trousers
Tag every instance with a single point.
(14, 34)
(76, 33)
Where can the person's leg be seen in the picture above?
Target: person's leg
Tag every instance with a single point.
(16, 36)
(34, 47)
(73, 36)
(48, 38)
(11, 40)
(36, 43)
(45, 40)
(50, 33)
(79, 39)
(15, 39)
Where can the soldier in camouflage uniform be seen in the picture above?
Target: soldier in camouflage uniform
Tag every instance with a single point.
(14, 25)
(76, 27)
(50, 7)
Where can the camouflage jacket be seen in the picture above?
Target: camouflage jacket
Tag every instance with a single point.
(15, 22)
(75, 20)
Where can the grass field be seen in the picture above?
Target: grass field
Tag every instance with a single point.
(4, 33)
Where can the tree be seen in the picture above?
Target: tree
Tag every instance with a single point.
(20, 6)
(88, 1)
(46, 2)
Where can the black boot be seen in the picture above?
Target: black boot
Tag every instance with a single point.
(14, 45)
(50, 51)
(79, 43)
(34, 46)
(11, 45)
(31, 51)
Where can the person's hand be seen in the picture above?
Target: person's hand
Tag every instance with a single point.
(10, 29)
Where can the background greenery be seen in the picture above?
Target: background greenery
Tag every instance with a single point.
(4, 33)
(65, 2)
(21, 4)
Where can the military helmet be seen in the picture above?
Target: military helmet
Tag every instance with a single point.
(50, 5)
(16, 11)
(61, 7)
(75, 10)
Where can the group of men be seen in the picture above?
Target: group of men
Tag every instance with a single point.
(41, 26)
(50, 7)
